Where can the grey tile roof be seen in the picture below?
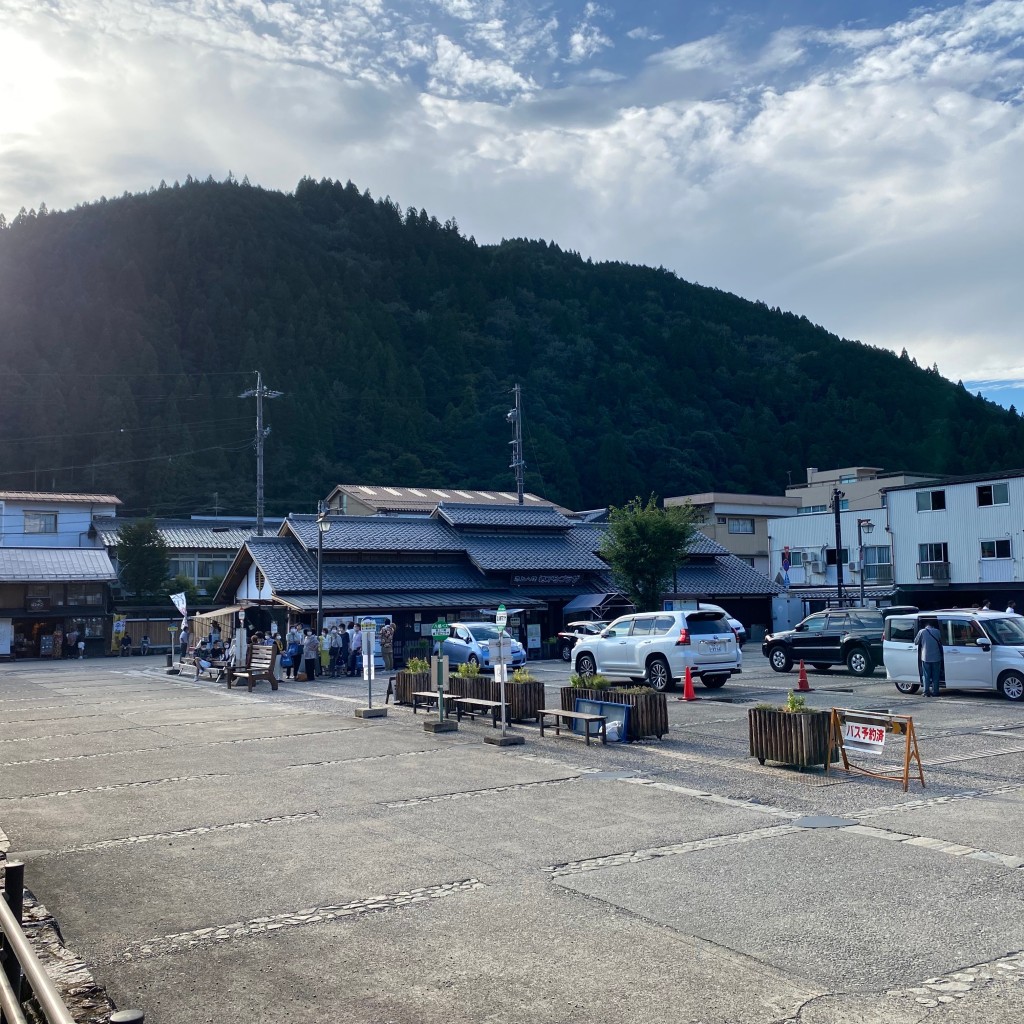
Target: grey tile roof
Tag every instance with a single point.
(726, 576)
(283, 561)
(357, 603)
(186, 534)
(506, 516)
(530, 552)
(424, 499)
(702, 544)
(55, 565)
(376, 533)
(65, 498)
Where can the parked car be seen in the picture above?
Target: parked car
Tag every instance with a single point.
(738, 628)
(658, 647)
(573, 631)
(836, 636)
(471, 642)
(981, 650)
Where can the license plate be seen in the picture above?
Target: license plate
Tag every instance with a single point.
(715, 648)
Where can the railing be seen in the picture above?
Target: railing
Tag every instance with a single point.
(933, 571)
(878, 573)
(22, 976)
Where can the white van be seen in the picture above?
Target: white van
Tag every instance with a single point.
(981, 650)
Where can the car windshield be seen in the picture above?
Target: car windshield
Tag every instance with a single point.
(1008, 632)
(486, 631)
(707, 622)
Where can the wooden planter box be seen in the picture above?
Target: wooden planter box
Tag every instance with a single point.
(648, 714)
(524, 699)
(789, 738)
(407, 683)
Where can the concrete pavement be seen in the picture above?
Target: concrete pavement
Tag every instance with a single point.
(214, 854)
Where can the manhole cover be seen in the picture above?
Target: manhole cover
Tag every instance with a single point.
(823, 821)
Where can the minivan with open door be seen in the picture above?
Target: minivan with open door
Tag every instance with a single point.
(981, 650)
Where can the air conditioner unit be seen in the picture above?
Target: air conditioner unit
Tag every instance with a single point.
(853, 566)
(816, 567)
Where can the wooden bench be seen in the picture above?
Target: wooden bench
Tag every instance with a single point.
(260, 662)
(580, 716)
(474, 706)
(428, 699)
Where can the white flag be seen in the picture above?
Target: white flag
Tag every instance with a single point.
(180, 603)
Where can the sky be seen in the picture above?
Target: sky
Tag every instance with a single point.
(858, 161)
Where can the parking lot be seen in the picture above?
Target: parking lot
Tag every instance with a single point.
(211, 853)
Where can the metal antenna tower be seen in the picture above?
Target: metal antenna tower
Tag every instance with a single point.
(514, 416)
(259, 393)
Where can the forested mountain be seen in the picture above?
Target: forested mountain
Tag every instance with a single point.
(129, 327)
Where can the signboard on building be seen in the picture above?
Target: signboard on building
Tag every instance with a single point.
(546, 579)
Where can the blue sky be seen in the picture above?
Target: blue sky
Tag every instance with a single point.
(858, 163)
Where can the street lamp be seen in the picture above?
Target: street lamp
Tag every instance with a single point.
(863, 526)
(837, 504)
(323, 525)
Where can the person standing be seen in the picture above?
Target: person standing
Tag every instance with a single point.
(355, 650)
(325, 651)
(334, 647)
(1011, 608)
(387, 644)
(310, 654)
(183, 639)
(346, 648)
(929, 653)
(72, 642)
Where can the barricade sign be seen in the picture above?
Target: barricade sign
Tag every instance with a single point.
(864, 733)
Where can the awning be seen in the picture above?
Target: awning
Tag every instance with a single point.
(585, 602)
(403, 601)
(233, 610)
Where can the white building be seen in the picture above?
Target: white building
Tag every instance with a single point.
(959, 541)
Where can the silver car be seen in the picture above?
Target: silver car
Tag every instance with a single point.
(658, 648)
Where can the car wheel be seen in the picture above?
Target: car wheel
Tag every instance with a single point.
(586, 666)
(659, 678)
(566, 652)
(904, 687)
(473, 660)
(822, 668)
(859, 662)
(779, 659)
(1012, 686)
(715, 681)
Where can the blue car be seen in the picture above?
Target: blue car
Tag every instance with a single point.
(471, 641)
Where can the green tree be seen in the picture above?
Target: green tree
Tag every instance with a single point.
(142, 558)
(643, 544)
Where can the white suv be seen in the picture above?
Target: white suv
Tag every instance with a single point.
(658, 647)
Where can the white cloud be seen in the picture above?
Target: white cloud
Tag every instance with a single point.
(867, 178)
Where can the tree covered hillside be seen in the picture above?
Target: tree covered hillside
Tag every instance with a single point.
(129, 327)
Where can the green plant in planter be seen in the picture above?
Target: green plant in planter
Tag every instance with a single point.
(553, 640)
(417, 665)
(523, 675)
(468, 668)
(797, 705)
(594, 682)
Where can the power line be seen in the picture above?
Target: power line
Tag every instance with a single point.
(122, 430)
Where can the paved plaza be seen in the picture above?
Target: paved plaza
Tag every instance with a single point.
(213, 854)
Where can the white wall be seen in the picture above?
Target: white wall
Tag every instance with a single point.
(73, 522)
(811, 534)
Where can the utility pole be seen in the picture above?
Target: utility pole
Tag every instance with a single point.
(514, 416)
(259, 393)
(837, 501)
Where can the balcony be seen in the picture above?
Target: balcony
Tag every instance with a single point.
(878, 574)
(937, 572)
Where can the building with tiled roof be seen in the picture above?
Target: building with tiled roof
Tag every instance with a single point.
(459, 562)
(377, 499)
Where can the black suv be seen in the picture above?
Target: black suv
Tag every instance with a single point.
(836, 636)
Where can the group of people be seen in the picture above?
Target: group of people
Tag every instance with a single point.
(335, 652)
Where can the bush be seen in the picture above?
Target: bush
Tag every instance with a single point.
(523, 675)
(594, 682)
(417, 665)
(468, 668)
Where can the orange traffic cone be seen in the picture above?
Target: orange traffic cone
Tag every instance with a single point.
(688, 693)
(803, 686)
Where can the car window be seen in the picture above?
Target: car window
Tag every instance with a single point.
(838, 620)
(1008, 632)
(901, 630)
(815, 622)
(664, 624)
(620, 627)
(705, 623)
(866, 618)
(958, 633)
(642, 626)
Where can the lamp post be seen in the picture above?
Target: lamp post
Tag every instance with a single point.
(837, 502)
(863, 526)
(323, 525)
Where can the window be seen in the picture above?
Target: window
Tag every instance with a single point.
(815, 623)
(741, 525)
(796, 558)
(664, 624)
(933, 561)
(642, 627)
(721, 520)
(830, 556)
(844, 505)
(903, 630)
(40, 522)
(89, 594)
(962, 633)
(807, 510)
(995, 548)
(931, 501)
(993, 494)
(848, 479)
(877, 563)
